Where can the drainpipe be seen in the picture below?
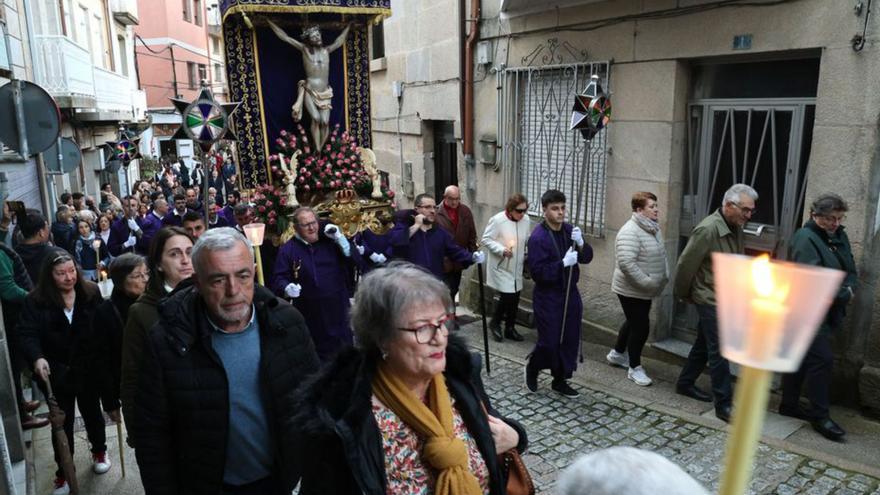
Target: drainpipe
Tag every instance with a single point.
(467, 120)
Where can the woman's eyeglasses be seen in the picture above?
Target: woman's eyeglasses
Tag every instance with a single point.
(426, 333)
(141, 276)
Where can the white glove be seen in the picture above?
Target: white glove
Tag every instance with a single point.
(292, 290)
(133, 225)
(479, 257)
(360, 249)
(331, 231)
(577, 236)
(378, 258)
(132, 240)
(570, 258)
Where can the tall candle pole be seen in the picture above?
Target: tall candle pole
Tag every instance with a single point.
(750, 405)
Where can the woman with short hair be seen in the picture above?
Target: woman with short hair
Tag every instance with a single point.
(640, 274)
(170, 264)
(405, 411)
(505, 240)
(56, 336)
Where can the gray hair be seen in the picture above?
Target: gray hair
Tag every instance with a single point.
(627, 470)
(383, 297)
(122, 266)
(219, 239)
(299, 211)
(737, 191)
(827, 203)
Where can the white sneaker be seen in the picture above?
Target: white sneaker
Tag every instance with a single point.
(615, 358)
(638, 376)
(60, 487)
(101, 463)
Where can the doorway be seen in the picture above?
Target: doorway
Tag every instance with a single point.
(445, 157)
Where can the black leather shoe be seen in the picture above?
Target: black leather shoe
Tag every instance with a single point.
(496, 333)
(531, 379)
(829, 429)
(562, 387)
(723, 413)
(513, 335)
(694, 393)
(793, 412)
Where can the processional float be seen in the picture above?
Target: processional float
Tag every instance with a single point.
(299, 70)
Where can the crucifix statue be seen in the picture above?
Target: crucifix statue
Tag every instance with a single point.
(314, 91)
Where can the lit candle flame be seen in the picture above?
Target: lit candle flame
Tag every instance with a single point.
(763, 282)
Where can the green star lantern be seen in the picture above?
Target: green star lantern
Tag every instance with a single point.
(125, 148)
(205, 120)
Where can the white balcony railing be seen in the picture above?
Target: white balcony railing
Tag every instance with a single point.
(65, 69)
(125, 11)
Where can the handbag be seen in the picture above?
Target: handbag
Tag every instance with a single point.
(519, 481)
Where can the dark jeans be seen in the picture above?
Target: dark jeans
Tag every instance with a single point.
(453, 281)
(265, 486)
(706, 349)
(634, 332)
(90, 408)
(505, 311)
(816, 371)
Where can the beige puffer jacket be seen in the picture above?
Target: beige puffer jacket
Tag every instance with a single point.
(640, 270)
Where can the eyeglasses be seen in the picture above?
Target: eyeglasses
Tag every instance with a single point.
(308, 225)
(747, 211)
(427, 332)
(520, 210)
(142, 275)
(833, 218)
(428, 207)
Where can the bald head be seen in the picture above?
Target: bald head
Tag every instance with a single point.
(452, 196)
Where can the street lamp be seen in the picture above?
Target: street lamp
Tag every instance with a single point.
(255, 232)
(768, 313)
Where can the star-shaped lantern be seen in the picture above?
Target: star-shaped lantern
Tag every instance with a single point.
(125, 148)
(592, 109)
(205, 120)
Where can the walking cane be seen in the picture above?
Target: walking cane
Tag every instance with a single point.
(57, 417)
(483, 315)
(121, 446)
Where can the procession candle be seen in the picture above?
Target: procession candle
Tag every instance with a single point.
(96, 244)
(510, 245)
(768, 312)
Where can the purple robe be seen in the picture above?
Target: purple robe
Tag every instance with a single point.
(220, 222)
(546, 249)
(119, 233)
(150, 226)
(373, 243)
(323, 302)
(228, 212)
(172, 219)
(427, 248)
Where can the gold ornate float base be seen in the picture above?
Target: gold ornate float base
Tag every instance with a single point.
(352, 214)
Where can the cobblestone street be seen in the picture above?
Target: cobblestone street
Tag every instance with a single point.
(561, 429)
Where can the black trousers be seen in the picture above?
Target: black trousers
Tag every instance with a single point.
(17, 364)
(634, 332)
(90, 407)
(706, 349)
(505, 311)
(453, 281)
(265, 486)
(815, 370)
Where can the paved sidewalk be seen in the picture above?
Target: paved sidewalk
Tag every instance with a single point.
(614, 411)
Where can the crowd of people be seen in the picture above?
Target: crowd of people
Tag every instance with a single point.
(344, 372)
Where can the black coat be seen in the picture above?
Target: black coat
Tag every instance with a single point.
(182, 402)
(110, 317)
(341, 445)
(73, 350)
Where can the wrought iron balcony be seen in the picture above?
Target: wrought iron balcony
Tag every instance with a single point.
(125, 11)
(65, 70)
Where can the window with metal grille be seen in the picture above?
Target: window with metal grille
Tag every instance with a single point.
(539, 152)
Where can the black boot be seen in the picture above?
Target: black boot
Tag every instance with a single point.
(496, 330)
(512, 334)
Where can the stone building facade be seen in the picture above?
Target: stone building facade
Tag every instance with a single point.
(705, 93)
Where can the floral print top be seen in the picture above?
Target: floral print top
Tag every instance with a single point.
(405, 471)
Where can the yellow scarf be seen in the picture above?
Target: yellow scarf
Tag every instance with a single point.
(443, 450)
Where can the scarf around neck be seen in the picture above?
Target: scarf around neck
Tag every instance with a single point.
(443, 451)
(648, 225)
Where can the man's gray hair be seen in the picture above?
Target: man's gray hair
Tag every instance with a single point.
(385, 295)
(626, 470)
(219, 239)
(737, 191)
(299, 211)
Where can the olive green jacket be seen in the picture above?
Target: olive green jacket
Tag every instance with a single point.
(142, 315)
(694, 280)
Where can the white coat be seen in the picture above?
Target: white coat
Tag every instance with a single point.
(640, 270)
(505, 274)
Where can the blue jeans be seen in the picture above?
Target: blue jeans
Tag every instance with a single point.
(706, 350)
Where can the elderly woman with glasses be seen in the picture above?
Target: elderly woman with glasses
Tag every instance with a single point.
(505, 239)
(56, 335)
(405, 411)
(822, 241)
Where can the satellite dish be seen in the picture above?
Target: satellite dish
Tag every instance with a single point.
(71, 157)
(42, 119)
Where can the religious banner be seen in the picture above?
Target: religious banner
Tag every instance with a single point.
(297, 62)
